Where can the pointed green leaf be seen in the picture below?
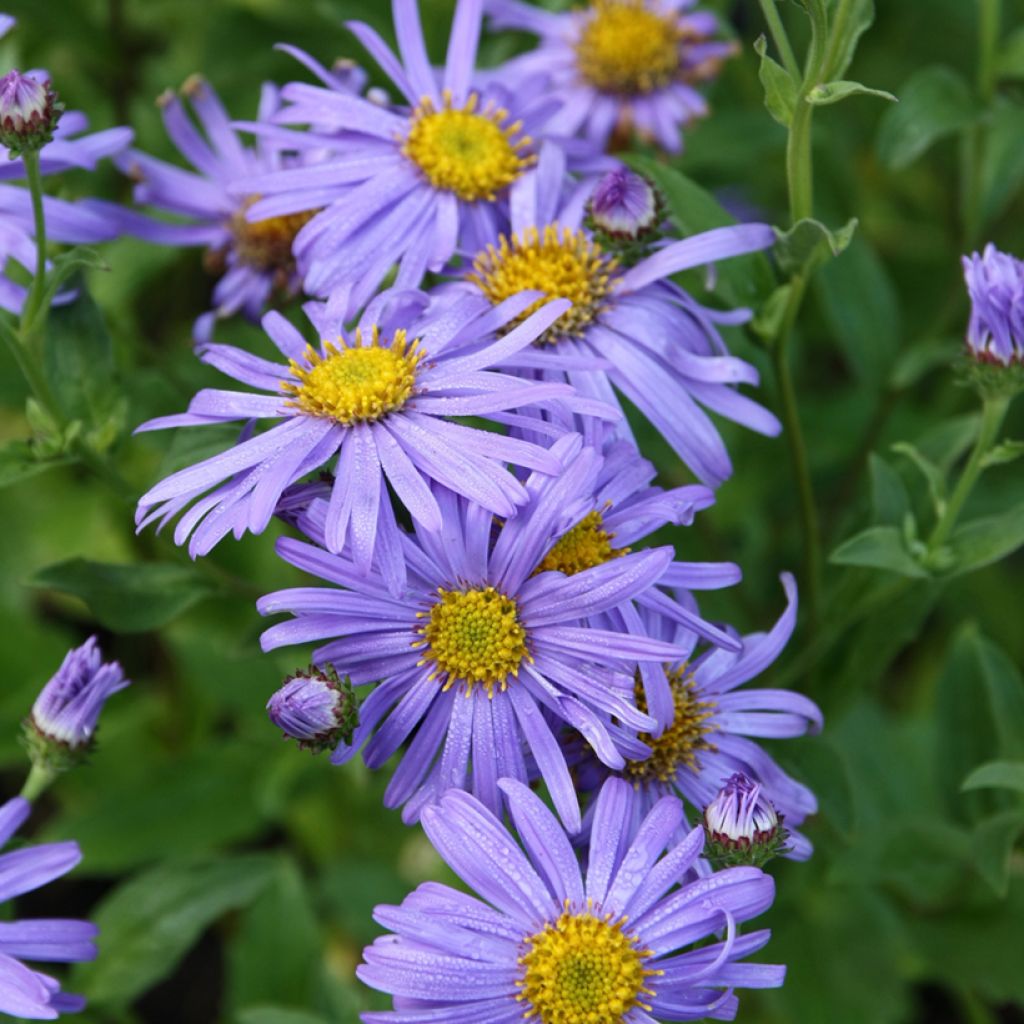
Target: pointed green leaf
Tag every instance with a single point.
(780, 91)
(889, 499)
(1005, 451)
(832, 92)
(851, 20)
(879, 547)
(996, 775)
(993, 843)
(931, 473)
(988, 539)
(809, 243)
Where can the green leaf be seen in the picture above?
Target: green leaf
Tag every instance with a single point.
(150, 922)
(276, 1015)
(878, 547)
(18, 461)
(889, 500)
(1010, 63)
(996, 775)
(833, 92)
(808, 244)
(993, 843)
(989, 539)
(780, 91)
(128, 598)
(935, 103)
(858, 16)
(932, 474)
(742, 281)
(1002, 165)
(917, 361)
(277, 954)
(1005, 451)
(768, 321)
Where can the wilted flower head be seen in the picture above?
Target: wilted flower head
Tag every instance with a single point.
(25, 992)
(69, 705)
(29, 112)
(995, 283)
(742, 825)
(624, 205)
(316, 708)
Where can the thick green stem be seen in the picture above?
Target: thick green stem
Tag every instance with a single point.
(38, 781)
(35, 185)
(781, 38)
(990, 15)
(992, 414)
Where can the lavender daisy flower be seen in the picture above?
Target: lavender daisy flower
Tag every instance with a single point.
(410, 185)
(481, 641)
(381, 400)
(253, 257)
(995, 283)
(630, 331)
(544, 941)
(619, 66)
(710, 737)
(25, 992)
(68, 706)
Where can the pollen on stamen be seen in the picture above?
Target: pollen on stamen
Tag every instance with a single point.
(356, 383)
(474, 153)
(560, 263)
(584, 546)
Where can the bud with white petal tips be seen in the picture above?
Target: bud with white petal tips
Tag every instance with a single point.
(316, 708)
(29, 112)
(742, 826)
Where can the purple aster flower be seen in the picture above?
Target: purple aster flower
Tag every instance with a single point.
(624, 205)
(410, 185)
(619, 66)
(316, 708)
(630, 331)
(544, 941)
(381, 399)
(995, 283)
(742, 825)
(253, 257)
(709, 739)
(482, 641)
(68, 706)
(25, 992)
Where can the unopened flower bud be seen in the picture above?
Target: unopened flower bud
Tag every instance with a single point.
(742, 826)
(316, 708)
(624, 206)
(29, 112)
(63, 721)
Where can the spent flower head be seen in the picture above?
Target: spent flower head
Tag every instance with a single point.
(29, 112)
(63, 720)
(742, 825)
(315, 707)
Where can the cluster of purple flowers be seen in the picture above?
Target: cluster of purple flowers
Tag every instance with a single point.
(453, 450)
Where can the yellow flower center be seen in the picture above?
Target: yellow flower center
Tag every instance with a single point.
(679, 745)
(626, 48)
(561, 264)
(356, 383)
(474, 637)
(267, 244)
(583, 969)
(587, 544)
(474, 154)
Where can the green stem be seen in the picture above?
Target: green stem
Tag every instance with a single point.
(39, 779)
(993, 412)
(798, 453)
(781, 38)
(35, 295)
(990, 16)
(34, 376)
(837, 37)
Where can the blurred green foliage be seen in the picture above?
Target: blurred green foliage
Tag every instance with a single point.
(233, 876)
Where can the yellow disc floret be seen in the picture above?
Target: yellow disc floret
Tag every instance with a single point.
(583, 969)
(587, 544)
(678, 746)
(625, 47)
(473, 153)
(266, 244)
(356, 383)
(474, 637)
(560, 263)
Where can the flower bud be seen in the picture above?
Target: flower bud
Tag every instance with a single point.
(742, 826)
(624, 206)
(29, 112)
(63, 722)
(316, 708)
